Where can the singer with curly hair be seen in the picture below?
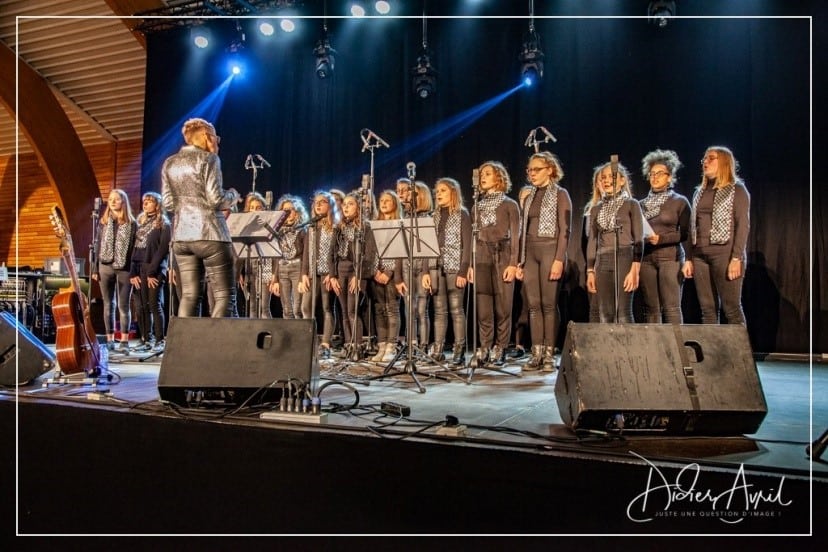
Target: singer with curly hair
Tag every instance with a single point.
(287, 274)
(668, 214)
(498, 219)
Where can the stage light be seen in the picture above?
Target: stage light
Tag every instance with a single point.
(531, 59)
(382, 7)
(357, 9)
(238, 41)
(424, 77)
(287, 25)
(200, 36)
(324, 58)
(236, 70)
(266, 28)
(661, 12)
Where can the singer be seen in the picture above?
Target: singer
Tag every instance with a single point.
(255, 279)
(116, 240)
(286, 278)
(719, 226)
(149, 270)
(668, 214)
(352, 232)
(616, 228)
(546, 213)
(418, 203)
(192, 190)
(318, 255)
(386, 297)
(497, 259)
(446, 278)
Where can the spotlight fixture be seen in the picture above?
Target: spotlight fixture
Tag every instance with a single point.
(237, 43)
(531, 59)
(266, 28)
(357, 9)
(287, 25)
(660, 12)
(382, 7)
(531, 55)
(324, 58)
(200, 36)
(424, 76)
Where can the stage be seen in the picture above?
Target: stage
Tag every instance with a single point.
(111, 458)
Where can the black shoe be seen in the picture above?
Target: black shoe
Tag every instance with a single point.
(458, 355)
(517, 353)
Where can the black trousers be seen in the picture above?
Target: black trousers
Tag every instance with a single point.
(494, 296)
(112, 280)
(215, 260)
(606, 281)
(713, 287)
(151, 312)
(541, 292)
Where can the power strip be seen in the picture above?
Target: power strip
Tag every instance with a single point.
(296, 417)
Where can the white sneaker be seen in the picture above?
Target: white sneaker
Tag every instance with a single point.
(380, 352)
(390, 352)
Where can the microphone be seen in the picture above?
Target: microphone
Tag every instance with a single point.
(548, 135)
(263, 223)
(476, 180)
(366, 182)
(262, 160)
(97, 205)
(412, 170)
(378, 139)
(248, 162)
(530, 140)
(614, 170)
(268, 200)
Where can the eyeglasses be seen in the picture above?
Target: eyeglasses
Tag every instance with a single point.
(533, 170)
(657, 174)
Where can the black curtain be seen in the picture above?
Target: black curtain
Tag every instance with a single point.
(610, 86)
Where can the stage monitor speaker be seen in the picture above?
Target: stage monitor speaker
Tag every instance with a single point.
(660, 378)
(229, 359)
(21, 359)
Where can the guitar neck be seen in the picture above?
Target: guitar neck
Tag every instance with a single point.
(69, 259)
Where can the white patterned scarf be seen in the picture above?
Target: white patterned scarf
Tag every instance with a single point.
(722, 218)
(653, 202)
(608, 211)
(325, 244)
(287, 243)
(487, 207)
(453, 239)
(115, 244)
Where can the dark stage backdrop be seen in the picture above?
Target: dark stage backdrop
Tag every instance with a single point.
(610, 86)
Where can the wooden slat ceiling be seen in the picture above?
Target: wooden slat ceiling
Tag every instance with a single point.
(94, 63)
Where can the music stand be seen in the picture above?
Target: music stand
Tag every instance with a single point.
(253, 235)
(406, 239)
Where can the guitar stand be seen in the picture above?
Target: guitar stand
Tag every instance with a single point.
(79, 378)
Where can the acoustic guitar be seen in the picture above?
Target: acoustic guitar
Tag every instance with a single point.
(76, 345)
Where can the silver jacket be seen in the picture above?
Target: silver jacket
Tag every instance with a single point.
(193, 192)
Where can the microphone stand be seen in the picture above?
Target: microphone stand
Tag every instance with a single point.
(474, 361)
(93, 248)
